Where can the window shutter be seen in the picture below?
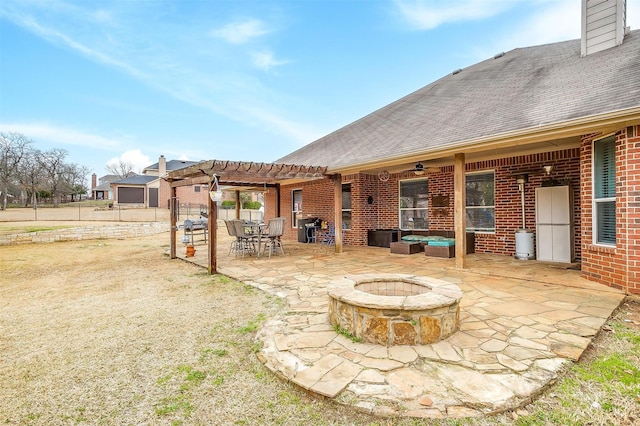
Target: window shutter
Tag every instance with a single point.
(604, 184)
(606, 221)
(605, 168)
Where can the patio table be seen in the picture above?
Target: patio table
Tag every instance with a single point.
(257, 229)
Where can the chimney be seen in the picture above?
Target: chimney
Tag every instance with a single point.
(162, 166)
(94, 180)
(603, 24)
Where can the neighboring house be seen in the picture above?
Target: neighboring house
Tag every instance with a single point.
(151, 190)
(562, 115)
(101, 188)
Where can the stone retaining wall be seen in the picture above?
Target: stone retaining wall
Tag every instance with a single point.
(95, 232)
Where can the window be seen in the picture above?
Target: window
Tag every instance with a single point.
(414, 196)
(196, 188)
(296, 206)
(604, 190)
(346, 205)
(480, 202)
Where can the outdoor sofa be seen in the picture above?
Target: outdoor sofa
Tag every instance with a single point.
(438, 243)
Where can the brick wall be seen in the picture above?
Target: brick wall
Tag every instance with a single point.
(383, 212)
(185, 194)
(617, 266)
(508, 214)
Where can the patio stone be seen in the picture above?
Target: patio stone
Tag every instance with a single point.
(519, 353)
(529, 333)
(337, 379)
(371, 376)
(527, 343)
(520, 323)
(493, 345)
(446, 352)
(566, 351)
(404, 354)
(512, 363)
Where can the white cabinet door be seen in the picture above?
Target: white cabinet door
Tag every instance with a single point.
(554, 224)
(561, 243)
(544, 239)
(560, 208)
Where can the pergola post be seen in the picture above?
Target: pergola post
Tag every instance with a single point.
(459, 202)
(212, 229)
(337, 198)
(238, 206)
(173, 222)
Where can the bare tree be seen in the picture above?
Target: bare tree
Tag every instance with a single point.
(120, 168)
(31, 175)
(75, 177)
(52, 162)
(13, 148)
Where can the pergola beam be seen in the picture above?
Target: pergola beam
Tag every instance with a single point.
(234, 173)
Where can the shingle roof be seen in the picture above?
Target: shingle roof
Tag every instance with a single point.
(136, 180)
(105, 182)
(172, 165)
(523, 89)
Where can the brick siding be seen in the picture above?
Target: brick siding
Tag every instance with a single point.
(317, 199)
(618, 266)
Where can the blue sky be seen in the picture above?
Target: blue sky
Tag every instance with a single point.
(238, 80)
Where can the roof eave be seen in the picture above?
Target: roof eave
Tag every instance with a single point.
(600, 123)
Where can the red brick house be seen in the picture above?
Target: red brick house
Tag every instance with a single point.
(479, 148)
(535, 152)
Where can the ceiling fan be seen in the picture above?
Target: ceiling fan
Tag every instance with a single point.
(420, 169)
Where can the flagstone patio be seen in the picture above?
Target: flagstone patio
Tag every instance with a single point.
(521, 323)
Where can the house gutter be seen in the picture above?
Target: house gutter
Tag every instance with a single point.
(602, 123)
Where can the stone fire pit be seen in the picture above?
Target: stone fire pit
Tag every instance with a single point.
(395, 309)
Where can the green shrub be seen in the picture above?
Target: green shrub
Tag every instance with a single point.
(252, 205)
(228, 204)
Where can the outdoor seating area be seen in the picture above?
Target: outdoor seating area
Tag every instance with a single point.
(254, 238)
(517, 330)
(436, 243)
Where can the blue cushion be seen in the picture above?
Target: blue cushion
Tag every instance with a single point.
(446, 242)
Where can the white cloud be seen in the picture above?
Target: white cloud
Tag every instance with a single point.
(549, 23)
(241, 32)
(558, 21)
(54, 36)
(60, 135)
(135, 157)
(207, 75)
(429, 14)
(265, 60)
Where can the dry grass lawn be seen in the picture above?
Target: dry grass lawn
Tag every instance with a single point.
(113, 332)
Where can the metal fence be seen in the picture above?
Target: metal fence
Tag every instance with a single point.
(116, 213)
(187, 211)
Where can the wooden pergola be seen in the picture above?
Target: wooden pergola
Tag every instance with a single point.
(247, 175)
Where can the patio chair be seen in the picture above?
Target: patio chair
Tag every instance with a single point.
(329, 237)
(246, 242)
(275, 230)
(231, 229)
